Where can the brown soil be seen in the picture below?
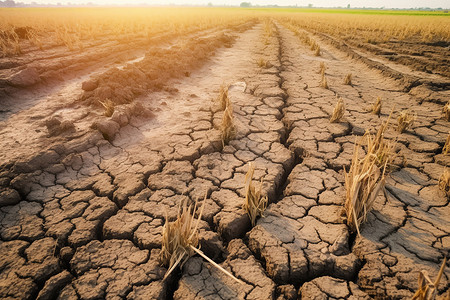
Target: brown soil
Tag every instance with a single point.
(83, 197)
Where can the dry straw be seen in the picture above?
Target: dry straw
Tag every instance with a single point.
(348, 79)
(223, 99)
(254, 203)
(444, 182)
(323, 82)
(376, 107)
(338, 111)
(317, 50)
(366, 177)
(108, 105)
(180, 239)
(228, 130)
(405, 120)
(446, 111)
(446, 148)
(427, 288)
(322, 69)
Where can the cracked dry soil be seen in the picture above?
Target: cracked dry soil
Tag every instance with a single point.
(82, 218)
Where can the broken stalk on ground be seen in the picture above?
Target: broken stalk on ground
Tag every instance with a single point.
(108, 105)
(427, 288)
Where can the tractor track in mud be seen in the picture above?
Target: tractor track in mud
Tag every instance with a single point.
(84, 221)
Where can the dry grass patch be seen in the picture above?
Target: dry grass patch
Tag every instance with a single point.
(405, 120)
(180, 239)
(427, 288)
(376, 107)
(254, 203)
(366, 177)
(446, 111)
(348, 79)
(338, 111)
(108, 105)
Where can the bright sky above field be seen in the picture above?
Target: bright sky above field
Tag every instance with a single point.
(316, 3)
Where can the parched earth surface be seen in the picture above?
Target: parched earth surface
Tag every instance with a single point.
(84, 197)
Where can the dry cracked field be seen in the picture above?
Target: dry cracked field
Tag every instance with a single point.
(84, 197)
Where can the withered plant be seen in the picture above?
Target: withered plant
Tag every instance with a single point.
(180, 239)
(348, 79)
(427, 288)
(228, 130)
(317, 50)
(323, 68)
(405, 120)
(324, 82)
(254, 203)
(223, 99)
(444, 182)
(446, 111)
(338, 111)
(446, 148)
(366, 177)
(108, 105)
(376, 107)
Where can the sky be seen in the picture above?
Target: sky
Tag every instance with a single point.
(316, 3)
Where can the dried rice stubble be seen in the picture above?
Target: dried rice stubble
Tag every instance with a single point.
(254, 203)
(180, 239)
(338, 111)
(366, 177)
(405, 120)
(228, 130)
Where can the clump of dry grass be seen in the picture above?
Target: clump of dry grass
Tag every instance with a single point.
(223, 99)
(180, 239)
(405, 120)
(348, 79)
(444, 182)
(324, 82)
(376, 107)
(427, 288)
(446, 148)
(180, 236)
(366, 177)
(338, 111)
(254, 203)
(108, 105)
(446, 111)
(228, 130)
(323, 68)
